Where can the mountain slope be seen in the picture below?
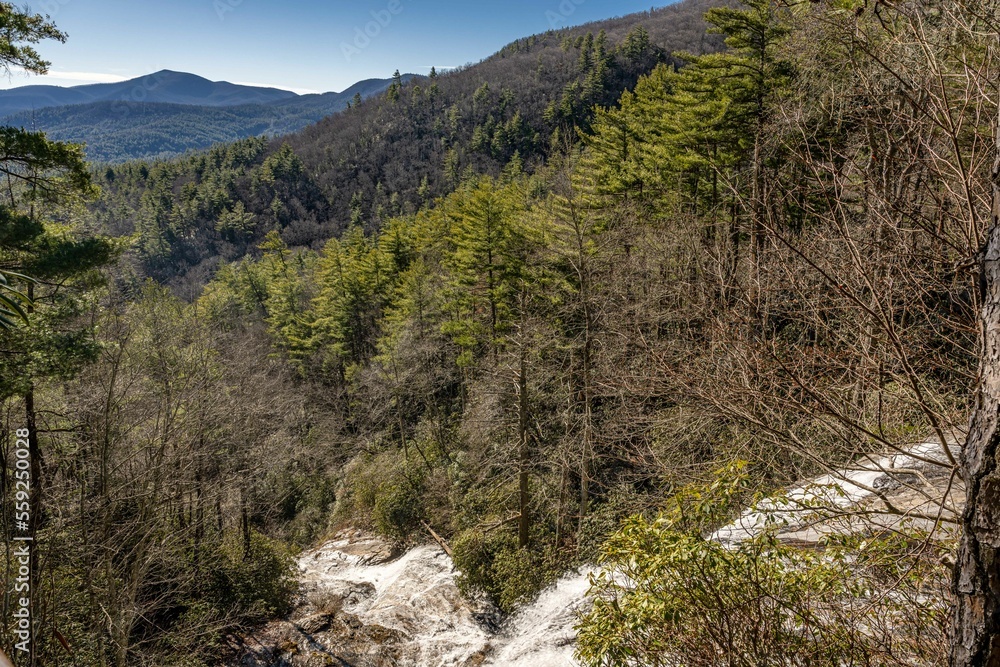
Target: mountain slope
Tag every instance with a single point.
(165, 86)
(517, 100)
(398, 151)
(117, 131)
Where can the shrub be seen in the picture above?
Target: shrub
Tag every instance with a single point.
(493, 565)
(256, 584)
(605, 518)
(398, 505)
(362, 476)
(670, 596)
(303, 508)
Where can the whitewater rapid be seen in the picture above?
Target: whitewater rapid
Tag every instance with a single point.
(542, 634)
(415, 596)
(363, 603)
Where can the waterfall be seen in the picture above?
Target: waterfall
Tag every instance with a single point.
(362, 603)
(542, 633)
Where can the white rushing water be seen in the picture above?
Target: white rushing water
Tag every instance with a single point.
(416, 595)
(369, 606)
(542, 634)
(839, 490)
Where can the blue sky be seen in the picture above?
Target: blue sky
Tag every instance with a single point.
(302, 45)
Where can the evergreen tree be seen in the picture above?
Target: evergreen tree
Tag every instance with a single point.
(43, 179)
(354, 278)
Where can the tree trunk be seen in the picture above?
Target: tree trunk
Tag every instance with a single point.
(975, 632)
(245, 525)
(524, 454)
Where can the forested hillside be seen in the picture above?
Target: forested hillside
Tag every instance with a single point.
(394, 153)
(163, 87)
(118, 130)
(585, 301)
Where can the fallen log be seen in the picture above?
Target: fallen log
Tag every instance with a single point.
(437, 538)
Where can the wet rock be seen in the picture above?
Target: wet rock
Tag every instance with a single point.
(893, 481)
(315, 623)
(350, 596)
(366, 604)
(477, 659)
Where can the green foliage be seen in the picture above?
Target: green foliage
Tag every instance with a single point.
(165, 583)
(700, 126)
(52, 170)
(219, 204)
(236, 222)
(493, 565)
(457, 312)
(49, 263)
(492, 240)
(355, 276)
(256, 583)
(385, 492)
(416, 135)
(398, 506)
(622, 141)
(305, 501)
(621, 503)
(20, 30)
(12, 301)
(670, 595)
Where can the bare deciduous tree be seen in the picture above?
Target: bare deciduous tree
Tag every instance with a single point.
(975, 639)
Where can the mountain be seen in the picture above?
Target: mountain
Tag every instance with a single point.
(181, 113)
(396, 151)
(528, 99)
(719, 336)
(164, 86)
(365, 88)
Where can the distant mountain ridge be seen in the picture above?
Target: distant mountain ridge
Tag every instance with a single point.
(166, 86)
(168, 113)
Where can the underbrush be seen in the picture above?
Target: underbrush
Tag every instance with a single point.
(670, 595)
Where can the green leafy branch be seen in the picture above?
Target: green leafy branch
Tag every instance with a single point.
(13, 302)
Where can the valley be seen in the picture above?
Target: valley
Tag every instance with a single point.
(667, 338)
(167, 114)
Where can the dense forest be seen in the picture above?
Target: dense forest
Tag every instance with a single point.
(582, 302)
(392, 154)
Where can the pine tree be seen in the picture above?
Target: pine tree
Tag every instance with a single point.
(355, 280)
(43, 179)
